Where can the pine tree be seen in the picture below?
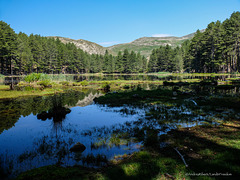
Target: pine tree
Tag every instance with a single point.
(125, 60)
(8, 49)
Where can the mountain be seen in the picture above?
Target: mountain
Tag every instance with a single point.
(89, 47)
(145, 45)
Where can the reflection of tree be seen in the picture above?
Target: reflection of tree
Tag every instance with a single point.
(12, 110)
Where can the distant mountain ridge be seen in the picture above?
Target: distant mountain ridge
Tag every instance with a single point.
(144, 45)
(88, 46)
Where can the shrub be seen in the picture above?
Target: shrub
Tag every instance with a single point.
(76, 84)
(84, 83)
(106, 87)
(45, 83)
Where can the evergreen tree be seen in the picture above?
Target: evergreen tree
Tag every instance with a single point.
(8, 49)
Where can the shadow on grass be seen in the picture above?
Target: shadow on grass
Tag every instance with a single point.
(207, 153)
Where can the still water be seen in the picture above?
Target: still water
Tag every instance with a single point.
(33, 133)
(77, 78)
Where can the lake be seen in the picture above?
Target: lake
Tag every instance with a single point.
(40, 131)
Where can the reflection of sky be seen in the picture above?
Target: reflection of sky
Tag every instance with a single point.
(29, 130)
(92, 116)
(22, 134)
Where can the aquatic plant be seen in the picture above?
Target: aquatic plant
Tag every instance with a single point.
(36, 77)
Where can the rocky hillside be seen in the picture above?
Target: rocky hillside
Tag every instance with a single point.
(145, 45)
(90, 47)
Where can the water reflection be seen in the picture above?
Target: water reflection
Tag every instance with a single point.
(47, 131)
(57, 112)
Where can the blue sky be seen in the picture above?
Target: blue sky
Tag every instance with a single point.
(108, 22)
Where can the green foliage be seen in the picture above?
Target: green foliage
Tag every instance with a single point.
(36, 77)
(8, 49)
(106, 87)
(84, 83)
(65, 83)
(45, 83)
(36, 54)
(217, 49)
(28, 88)
(2, 77)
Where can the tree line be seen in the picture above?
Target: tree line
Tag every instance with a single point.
(217, 49)
(23, 54)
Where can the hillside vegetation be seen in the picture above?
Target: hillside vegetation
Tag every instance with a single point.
(145, 45)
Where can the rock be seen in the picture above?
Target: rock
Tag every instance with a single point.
(78, 147)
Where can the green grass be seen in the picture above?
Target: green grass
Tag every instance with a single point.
(210, 149)
(4, 87)
(6, 93)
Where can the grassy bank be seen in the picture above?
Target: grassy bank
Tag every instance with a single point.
(45, 88)
(6, 93)
(209, 152)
